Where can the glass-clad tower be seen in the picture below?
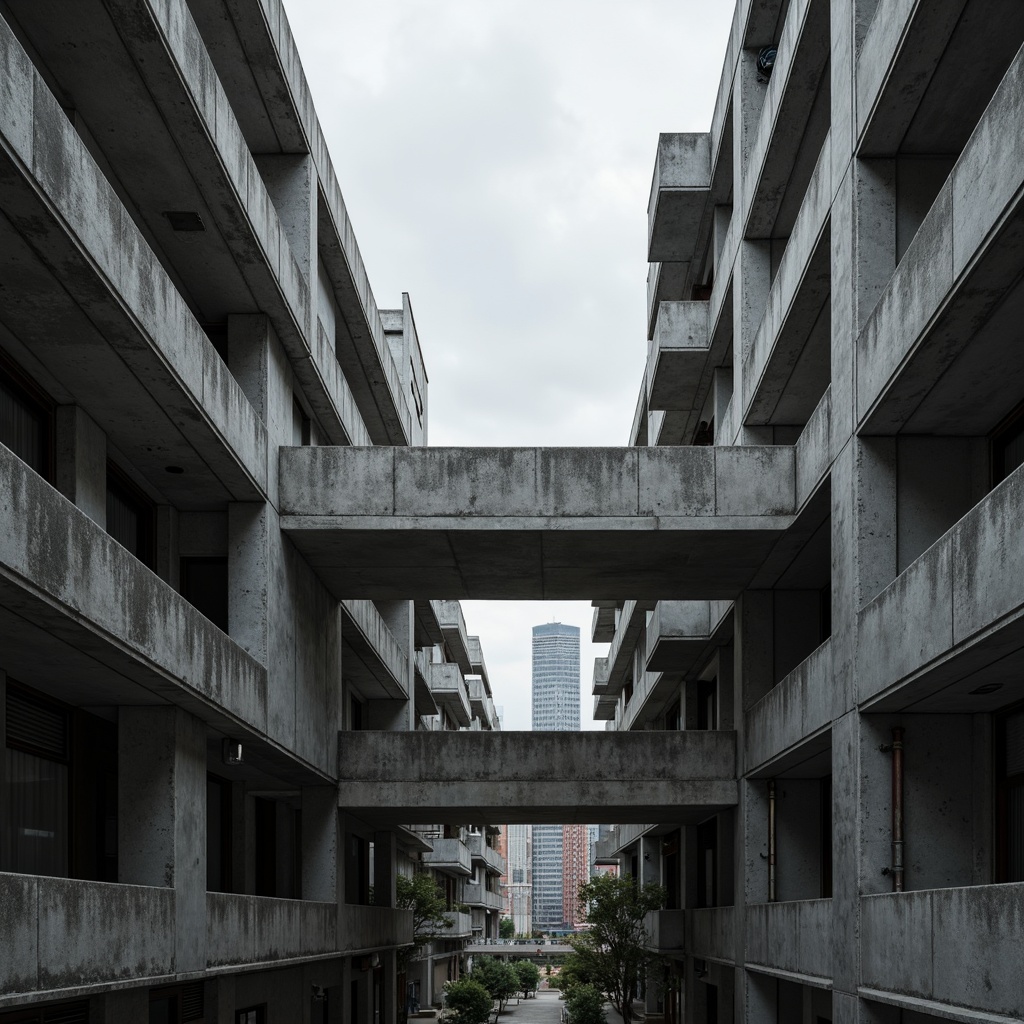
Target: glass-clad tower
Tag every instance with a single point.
(556, 706)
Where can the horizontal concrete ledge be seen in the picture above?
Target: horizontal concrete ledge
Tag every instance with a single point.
(529, 777)
(535, 523)
(942, 1011)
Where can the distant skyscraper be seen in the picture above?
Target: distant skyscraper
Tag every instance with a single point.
(556, 706)
(519, 878)
(575, 871)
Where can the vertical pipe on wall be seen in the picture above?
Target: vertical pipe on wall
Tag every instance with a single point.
(897, 809)
(771, 840)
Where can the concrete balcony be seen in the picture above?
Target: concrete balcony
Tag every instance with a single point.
(677, 355)
(954, 619)
(487, 855)
(66, 614)
(247, 930)
(76, 259)
(62, 933)
(453, 625)
(665, 283)
(792, 720)
(711, 935)
(364, 929)
(942, 948)
(546, 777)
(536, 523)
(787, 367)
(947, 314)
(448, 688)
(779, 152)
(666, 931)
(451, 856)
(628, 634)
(680, 191)
(477, 696)
(374, 659)
(476, 660)
(460, 925)
(480, 896)
(423, 698)
(790, 938)
(602, 627)
(677, 634)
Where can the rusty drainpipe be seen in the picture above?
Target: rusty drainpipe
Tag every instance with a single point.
(771, 840)
(897, 809)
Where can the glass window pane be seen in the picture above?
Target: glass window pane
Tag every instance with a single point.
(34, 838)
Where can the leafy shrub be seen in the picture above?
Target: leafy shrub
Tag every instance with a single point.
(585, 1005)
(470, 1000)
(529, 975)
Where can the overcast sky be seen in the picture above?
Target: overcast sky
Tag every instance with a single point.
(496, 160)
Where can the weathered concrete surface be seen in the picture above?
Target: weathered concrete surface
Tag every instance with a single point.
(679, 192)
(64, 933)
(938, 628)
(667, 929)
(255, 929)
(710, 933)
(374, 660)
(950, 946)
(70, 595)
(794, 716)
(794, 937)
(540, 777)
(676, 355)
(536, 523)
(363, 928)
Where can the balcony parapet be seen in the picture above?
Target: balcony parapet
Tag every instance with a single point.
(477, 895)
(381, 667)
(792, 937)
(449, 691)
(487, 855)
(677, 354)
(450, 856)
(937, 949)
(710, 933)
(666, 930)
(680, 190)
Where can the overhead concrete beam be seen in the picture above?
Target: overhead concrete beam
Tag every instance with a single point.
(537, 523)
(536, 777)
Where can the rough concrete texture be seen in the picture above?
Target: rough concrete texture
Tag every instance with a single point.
(535, 522)
(710, 932)
(794, 936)
(251, 929)
(957, 946)
(530, 777)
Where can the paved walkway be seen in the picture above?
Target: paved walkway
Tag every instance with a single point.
(545, 1009)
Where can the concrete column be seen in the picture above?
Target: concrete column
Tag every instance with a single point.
(650, 860)
(847, 854)
(754, 657)
(747, 101)
(389, 985)
(752, 278)
(291, 183)
(162, 816)
(249, 529)
(3, 729)
(726, 690)
(385, 854)
(81, 461)
(320, 848)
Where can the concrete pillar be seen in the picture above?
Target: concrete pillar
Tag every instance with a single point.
(385, 855)
(81, 462)
(320, 848)
(747, 101)
(291, 183)
(847, 855)
(161, 835)
(249, 539)
(754, 656)
(389, 986)
(752, 278)
(650, 860)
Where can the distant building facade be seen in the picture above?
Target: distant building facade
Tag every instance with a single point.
(555, 706)
(575, 871)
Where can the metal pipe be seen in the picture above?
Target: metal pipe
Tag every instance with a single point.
(771, 840)
(897, 809)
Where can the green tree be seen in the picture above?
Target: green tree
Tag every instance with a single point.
(529, 976)
(425, 898)
(506, 928)
(497, 976)
(469, 999)
(612, 955)
(585, 1005)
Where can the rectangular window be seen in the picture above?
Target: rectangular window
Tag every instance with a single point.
(707, 863)
(252, 1015)
(204, 584)
(707, 704)
(26, 421)
(218, 834)
(130, 516)
(1010, 796)
(35, 836)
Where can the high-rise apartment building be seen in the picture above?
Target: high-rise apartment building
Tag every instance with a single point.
(555, 706)
(575, 871)
(519, 877)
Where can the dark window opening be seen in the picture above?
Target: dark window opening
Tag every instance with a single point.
(1010, 796)
(674, 717)
(204, 584)
(218, 335)
(1008, 446)
(218, 835)
(183, 1004)
(26, 420)
(707, 704)
(131, 516)
(825, 819)
(58, 1013)
(302, 428)
(357, 870)
(707, 863)
(673, 886)
(252, 1015)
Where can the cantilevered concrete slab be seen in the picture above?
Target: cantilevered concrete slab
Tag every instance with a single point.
(536, 523)
(540, 777)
